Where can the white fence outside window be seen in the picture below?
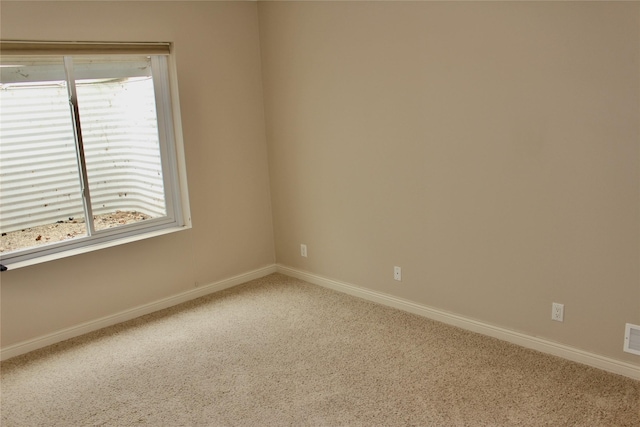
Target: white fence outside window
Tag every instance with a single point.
(39, 182)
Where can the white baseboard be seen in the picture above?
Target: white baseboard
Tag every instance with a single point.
(93, 325)
(539, 344)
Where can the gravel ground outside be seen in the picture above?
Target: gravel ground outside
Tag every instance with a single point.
(64, 230)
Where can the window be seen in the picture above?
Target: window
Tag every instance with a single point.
(89, 152)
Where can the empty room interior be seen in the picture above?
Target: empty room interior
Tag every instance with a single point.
(471, 163)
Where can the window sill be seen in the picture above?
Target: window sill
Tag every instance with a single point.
(92, 247)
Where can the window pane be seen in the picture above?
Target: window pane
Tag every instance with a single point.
(119, 126)
(40, 197)
(128, 155)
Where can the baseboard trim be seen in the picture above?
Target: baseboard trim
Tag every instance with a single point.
(528, 341)
(94, 325)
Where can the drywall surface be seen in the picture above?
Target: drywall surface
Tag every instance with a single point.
(489, 149)
(218, 63)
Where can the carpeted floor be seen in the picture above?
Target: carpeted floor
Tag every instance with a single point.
(278, 351)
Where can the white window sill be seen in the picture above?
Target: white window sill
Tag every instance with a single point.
(92, 247)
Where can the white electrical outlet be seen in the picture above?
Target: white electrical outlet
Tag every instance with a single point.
(303, 250)
(557, 312)
(397, 274)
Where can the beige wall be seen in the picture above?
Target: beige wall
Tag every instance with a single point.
(218, 62)
(489, 149)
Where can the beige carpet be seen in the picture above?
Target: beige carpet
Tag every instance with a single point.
(278, 351)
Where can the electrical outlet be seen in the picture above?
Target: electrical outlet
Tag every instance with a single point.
(557, 312)
(397, 274)
(303, 250)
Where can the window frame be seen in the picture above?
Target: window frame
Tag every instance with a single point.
(171, 147)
